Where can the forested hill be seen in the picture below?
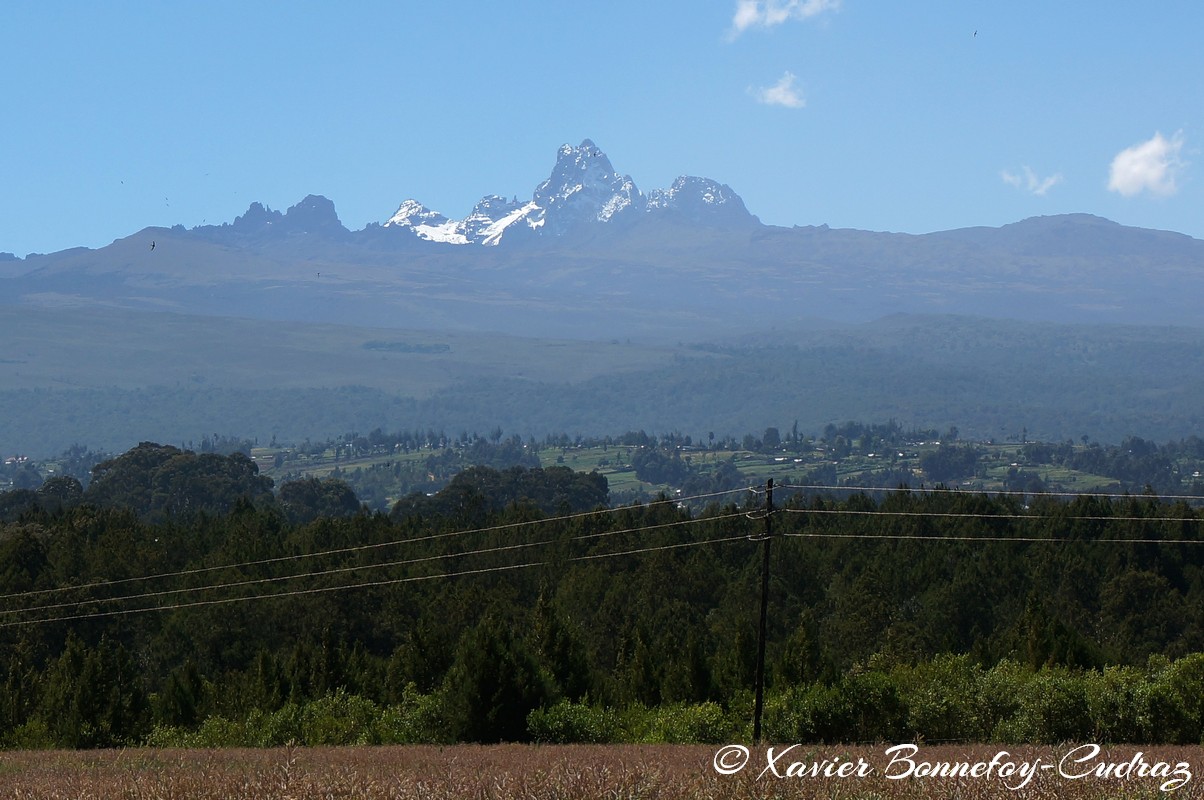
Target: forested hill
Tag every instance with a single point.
(518, 590)
(108, 379)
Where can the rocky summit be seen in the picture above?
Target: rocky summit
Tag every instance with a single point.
(583, 191)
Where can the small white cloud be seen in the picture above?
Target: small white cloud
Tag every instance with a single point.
(747, 15)
(1152, 166)
(771, 13)
(1030, 181)
(781, 93)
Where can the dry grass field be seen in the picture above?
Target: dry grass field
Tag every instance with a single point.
(566, 773)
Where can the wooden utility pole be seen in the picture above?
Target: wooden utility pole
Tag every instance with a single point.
(760, 695)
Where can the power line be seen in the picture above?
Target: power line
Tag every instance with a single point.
(364, 585)
(987, 492)
(363, 547)
(524, 545)
(973, 515)
(356, 567)
(966, 538)
(502, 548)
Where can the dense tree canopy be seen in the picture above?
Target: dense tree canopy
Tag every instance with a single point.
(176, 590)
(153, 480)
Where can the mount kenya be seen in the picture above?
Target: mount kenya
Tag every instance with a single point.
(591, 256)
(595, 307)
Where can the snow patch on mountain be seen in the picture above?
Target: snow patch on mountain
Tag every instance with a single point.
(427, 224)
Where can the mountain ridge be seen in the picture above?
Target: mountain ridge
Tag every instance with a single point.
(591, 256)
(582, 181)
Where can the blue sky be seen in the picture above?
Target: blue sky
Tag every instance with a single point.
(892, 116)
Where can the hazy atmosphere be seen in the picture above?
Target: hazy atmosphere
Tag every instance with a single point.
(534, 200)
(878, 116)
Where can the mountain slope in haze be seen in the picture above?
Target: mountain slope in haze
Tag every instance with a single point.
(110, 379)
(591, 256)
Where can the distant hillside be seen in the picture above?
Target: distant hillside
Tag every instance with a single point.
(110, 379)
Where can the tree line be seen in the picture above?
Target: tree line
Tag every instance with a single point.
(837, 455)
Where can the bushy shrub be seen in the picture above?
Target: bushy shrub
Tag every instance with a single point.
(800, 714)
(276, 728)
(213, 732)
(1177, 700)
(417, 719)
(339, 719)
(166, 736)
(678, 723)
(690, 724)
(944, 700)
(860, 707)
(573, 723)
(1053, 708)
(868, 708)
(336, 719)
(1119, 705)
(1002, 687)
(32, 735)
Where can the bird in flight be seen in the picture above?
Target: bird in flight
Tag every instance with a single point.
(152, 244)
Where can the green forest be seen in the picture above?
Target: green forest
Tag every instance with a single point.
(182, 598)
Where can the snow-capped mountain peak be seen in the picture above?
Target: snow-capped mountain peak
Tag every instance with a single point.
(427, 224)
(583, 190)
(490, 216)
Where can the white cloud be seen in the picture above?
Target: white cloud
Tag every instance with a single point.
(771, 13)
(1030, 181)
(781, 93)
(1151, 166)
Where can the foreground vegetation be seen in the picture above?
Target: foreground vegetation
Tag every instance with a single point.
(946, 699)
(179, 600)
(553, 773)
